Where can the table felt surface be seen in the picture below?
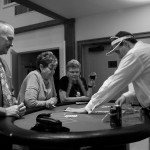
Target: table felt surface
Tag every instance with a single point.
(80, 122)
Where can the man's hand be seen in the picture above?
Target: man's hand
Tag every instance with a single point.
(76, 110)
(121, 100)
(16, 110)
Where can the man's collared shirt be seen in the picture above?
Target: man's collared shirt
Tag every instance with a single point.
(134, 67)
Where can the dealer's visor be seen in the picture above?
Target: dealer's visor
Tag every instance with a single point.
(116, 42)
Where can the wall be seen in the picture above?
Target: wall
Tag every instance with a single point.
(134, 20)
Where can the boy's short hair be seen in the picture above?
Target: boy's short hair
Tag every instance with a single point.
(73, 64)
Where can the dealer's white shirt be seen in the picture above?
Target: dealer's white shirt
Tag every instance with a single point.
(134, 67)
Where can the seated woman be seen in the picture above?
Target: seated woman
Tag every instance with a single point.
(38, 89)
(73, 87)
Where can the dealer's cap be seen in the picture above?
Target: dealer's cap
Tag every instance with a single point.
(117, 41)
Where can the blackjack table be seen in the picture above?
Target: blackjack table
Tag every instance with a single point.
(84, 131)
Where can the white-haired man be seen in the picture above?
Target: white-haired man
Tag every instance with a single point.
(8, 104)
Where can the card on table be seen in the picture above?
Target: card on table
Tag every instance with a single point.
(69, 116)
(81, 103)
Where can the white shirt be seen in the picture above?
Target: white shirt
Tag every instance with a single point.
(134, 67)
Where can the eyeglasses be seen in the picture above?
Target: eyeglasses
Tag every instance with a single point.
(117, 51)
(52, 67)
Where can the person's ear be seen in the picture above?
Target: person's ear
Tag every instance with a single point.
(41, 67)
(126, 44)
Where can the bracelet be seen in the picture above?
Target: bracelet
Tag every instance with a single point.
(90, 86)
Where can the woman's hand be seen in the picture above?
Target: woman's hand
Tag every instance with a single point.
(51, 102)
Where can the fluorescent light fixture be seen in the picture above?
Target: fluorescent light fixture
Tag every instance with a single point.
(139, 1)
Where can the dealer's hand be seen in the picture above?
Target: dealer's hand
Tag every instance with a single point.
(76, 110)
(121, 100)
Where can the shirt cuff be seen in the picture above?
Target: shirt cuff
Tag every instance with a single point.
(89, 107)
